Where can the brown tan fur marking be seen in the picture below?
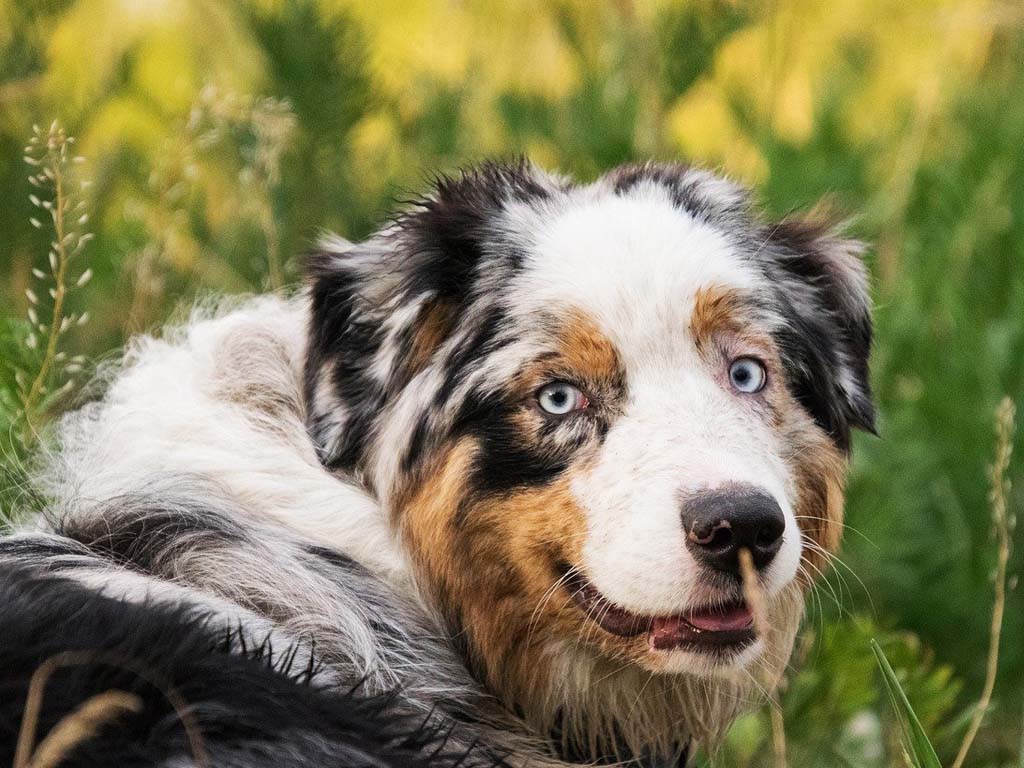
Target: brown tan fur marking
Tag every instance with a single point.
(492, 574)
(433, 325)
(715, 310)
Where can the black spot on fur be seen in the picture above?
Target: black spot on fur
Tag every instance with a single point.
(336, 559)
(417, 443)
(667, 176)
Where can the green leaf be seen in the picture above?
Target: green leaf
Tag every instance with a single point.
(915, 740)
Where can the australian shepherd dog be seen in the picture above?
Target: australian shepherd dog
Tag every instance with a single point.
(538, 474)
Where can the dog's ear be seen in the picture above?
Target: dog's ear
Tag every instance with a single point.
(382, 308)
(826, 338)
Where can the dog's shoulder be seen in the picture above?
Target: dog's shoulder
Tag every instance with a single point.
(218, 399)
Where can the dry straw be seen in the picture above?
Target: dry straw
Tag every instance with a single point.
(81, 725)
(93, 714)
(223, 129)
(755, 599)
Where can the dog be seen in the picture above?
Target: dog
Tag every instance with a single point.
(538, 474)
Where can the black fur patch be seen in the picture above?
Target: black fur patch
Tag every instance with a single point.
(829, 339)
(250, 707)
(345, 342)
(40, 549)
(686, 195)
(452, 232)
(506, 460)
(435, 252)
(137, 531)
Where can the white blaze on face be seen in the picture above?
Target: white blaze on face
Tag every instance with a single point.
(635, 265)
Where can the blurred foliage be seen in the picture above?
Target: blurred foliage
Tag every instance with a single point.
(222, 135)
(836, 709)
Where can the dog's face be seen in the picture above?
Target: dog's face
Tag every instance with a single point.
(588, 408)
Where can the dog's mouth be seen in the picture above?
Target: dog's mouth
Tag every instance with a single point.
(711, 629)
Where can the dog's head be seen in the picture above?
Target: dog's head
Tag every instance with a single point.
(587, 407)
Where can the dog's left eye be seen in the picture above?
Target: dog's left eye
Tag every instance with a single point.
(560, 398)
(747, 375)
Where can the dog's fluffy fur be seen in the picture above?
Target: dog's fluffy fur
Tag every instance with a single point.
(342, 528)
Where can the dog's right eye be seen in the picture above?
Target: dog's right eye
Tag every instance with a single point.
(747, 375)
(560, 398)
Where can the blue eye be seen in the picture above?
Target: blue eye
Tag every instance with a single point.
(560, 398)
(747, 375)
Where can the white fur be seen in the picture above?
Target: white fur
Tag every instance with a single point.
(185, 406)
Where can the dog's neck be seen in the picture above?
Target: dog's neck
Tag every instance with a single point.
(602, 712)
(679, 757)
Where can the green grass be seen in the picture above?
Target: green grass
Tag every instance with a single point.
(915, 741)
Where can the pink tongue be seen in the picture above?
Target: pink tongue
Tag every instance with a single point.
(702, 627)
(734, 618)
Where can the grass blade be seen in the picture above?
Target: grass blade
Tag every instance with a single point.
(915, 740)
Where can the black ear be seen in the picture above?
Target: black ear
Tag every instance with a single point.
(379, 309)
(448, 235)
(826, 339)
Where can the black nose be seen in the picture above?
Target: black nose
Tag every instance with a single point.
(719, 523)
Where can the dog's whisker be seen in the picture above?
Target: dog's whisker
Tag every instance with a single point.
(842, 524)
(548, 594)
(835, 560)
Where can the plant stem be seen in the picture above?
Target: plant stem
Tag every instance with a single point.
(999, 492)
(1020, 752)
(59, 290)
(273, 245)
(778, 731)
(754, 596)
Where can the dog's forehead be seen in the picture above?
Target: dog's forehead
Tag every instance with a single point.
(635, 263)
